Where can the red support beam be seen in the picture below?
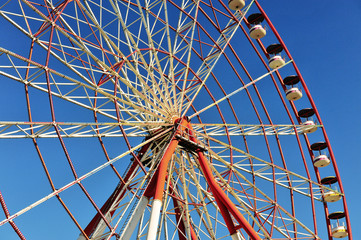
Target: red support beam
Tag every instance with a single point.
(107, 205)
(116, 195)
(159, 177)
(178, 209)
(226, 206)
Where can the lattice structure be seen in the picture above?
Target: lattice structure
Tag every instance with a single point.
(159, 120)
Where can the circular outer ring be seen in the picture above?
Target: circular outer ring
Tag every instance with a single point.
(333, 160)
(273, 76)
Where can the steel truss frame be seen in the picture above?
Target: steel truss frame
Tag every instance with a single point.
(136, 81)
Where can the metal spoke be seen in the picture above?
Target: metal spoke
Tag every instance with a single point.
(163, 120)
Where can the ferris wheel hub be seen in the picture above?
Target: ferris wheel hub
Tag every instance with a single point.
(132, 71)
(174, 118)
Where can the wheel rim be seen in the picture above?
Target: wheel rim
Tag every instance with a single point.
(133, 70)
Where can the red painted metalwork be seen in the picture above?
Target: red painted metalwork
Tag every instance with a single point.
(39, 152)
(53, 15)
(60, 138)
(59, 135)
(293, 108)
(231, 64)
(7, 214)
(180, 215)
(263, 106)
(118, 193)
(163, 165)
(320, 122)
(226, 206)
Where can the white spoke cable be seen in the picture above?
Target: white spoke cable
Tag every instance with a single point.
(79, 179)
(238, 90)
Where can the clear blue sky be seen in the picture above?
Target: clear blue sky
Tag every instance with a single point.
(324, 38)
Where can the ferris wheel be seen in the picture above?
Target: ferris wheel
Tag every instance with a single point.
(159, 120)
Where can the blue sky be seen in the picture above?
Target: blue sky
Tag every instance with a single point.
(324, 38)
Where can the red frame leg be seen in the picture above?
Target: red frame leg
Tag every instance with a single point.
(226, 206)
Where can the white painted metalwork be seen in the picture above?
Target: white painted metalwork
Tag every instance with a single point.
(135, 218)
(134, 67)
(134, 129)
(154, 219)
(237, 236)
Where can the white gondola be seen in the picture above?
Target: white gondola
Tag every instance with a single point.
(293, 94)
(331, 196)
(257, 31)
(308, 127)
(276, 62)
(236, 4)
(321, 161)
(339, 232)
